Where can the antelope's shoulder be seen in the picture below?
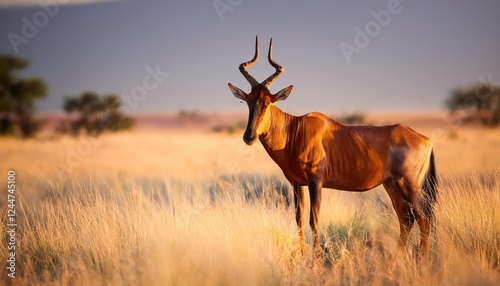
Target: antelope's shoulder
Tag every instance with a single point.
(317, 115)
(320, 120)
(319, 126)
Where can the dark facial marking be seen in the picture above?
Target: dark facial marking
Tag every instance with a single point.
(256, 107)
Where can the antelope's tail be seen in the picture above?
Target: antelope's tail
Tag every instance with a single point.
(429, 189)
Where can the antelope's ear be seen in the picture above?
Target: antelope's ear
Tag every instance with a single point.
(282, 94)
(238, 93)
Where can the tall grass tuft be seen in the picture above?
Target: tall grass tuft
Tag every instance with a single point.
(96, 229)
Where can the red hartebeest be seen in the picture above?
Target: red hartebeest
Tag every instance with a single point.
(316, 151)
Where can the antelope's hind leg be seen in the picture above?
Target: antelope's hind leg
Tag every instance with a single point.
(424, 222)
(403, 210)
(416, 201)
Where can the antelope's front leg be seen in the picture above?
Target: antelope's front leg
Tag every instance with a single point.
(298, 193)
(315, 186)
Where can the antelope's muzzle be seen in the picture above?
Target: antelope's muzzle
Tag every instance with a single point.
(249, 138)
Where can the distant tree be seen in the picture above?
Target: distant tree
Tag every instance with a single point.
(97, 114)
(17, 98)
(480, 102)
(352, 118)
(115, 120)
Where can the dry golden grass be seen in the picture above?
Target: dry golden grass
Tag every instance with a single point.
(148, 208)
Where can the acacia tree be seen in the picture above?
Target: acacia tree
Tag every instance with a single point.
(113, 118)
(480, 102)
(17, 98)
(96, 113)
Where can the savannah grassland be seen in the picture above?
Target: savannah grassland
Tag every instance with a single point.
(160, 207)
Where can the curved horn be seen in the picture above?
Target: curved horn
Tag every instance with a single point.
(279, 69)
(244, 65)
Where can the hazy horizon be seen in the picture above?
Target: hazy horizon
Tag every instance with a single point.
(340, 56)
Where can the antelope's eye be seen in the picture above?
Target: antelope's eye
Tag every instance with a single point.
(266, 102)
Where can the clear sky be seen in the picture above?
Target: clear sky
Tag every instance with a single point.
(408, 62)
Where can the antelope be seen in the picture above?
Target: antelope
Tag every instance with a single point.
(317, 152)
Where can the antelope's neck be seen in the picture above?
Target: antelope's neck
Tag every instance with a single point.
(275, 138)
